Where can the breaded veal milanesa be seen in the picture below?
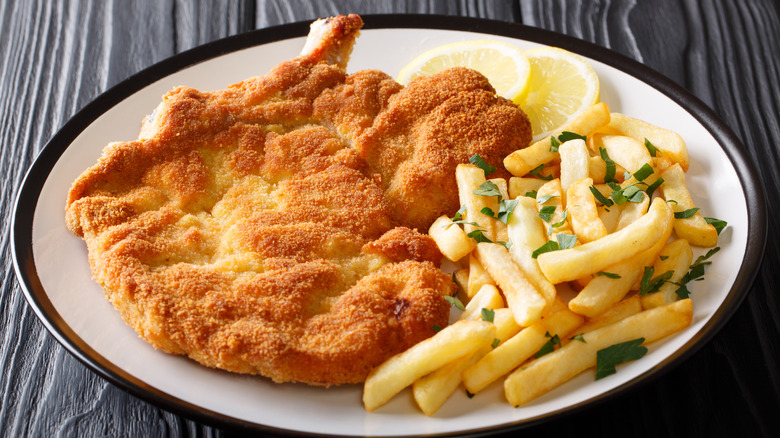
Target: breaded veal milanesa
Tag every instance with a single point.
(270, 228)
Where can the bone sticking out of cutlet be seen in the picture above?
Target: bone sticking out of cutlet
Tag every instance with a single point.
(331, 39)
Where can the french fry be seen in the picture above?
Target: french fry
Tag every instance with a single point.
(575, 162)
(431, 391)
(553, 369)
(669, 143)
(526, 232)
(631, 211)
(478, 276)
(584, 217)
(626, 151)
(451, 239)
(517, 349)
(527, 303)
(522, 161)
(604, 290)
(589, 258)
(502, 186)
(469, 178)
(519, 186)
(610, 216)
(488, 297)
(676, 256)
(457, 340)
(620, 310)
(461, 279)
(694, 229)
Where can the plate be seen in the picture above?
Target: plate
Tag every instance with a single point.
(52, 265)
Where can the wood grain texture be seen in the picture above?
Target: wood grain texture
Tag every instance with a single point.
(58, 56)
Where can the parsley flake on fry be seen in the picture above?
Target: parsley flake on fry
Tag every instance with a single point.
(685, 214)
(608, 358)
(548, 346)
(651, 148)
(495, 342)
(717, 223)
(609, 175)
(554, 144)
(531, 194)
(579, 337)
(568, 135)
(544, 198)
(608, 274)
(649, 285)
(546, 213)
(488, 314)
(695, 273)
(601, 198)
(505, 209)
(479, 236)
(566, 241)
(479, 162)
(643, 172)
(459, 214)
(651, 188)
(488, 188)
(548, 246)
(537, 172)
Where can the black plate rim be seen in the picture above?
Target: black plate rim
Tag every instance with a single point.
(21, 226)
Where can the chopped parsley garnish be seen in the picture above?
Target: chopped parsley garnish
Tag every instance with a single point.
(479, 236)
(643, 172)
(600, 197)
(546, 213)
(537, 172)
(566, 241)
(695, 273)
(469, 395)
(548, 246)
(608, 274)
(531, 194)
(488, 314)
(651, 188)
(554, 144)
(455, 302)
(459, 214)
(651, 148)
(568, 135)
(649, 285)
(544, 198)
(495, 343)
(488, 188)
(548, 346)
(608, 358)
(436, 328)
(609, 175)
(663, 257)
(685, 214)
(579, 337)
(562, 241)
(479, 162)
(562, 222)
(505, 209)
(717, 223)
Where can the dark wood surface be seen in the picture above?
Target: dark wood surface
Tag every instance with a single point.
(58, 55)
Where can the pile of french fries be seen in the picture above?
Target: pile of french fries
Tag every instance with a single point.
(556, 264)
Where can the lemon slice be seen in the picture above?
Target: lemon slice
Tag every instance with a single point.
(505, 65)
(562, 86)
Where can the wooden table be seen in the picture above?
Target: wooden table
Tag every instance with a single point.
(57, 56)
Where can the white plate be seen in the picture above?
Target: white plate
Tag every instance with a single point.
(53, 268)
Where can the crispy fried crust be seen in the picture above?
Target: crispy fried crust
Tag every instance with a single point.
(269, 228)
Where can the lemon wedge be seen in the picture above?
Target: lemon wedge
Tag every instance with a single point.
(562, 86)
(505, 65)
